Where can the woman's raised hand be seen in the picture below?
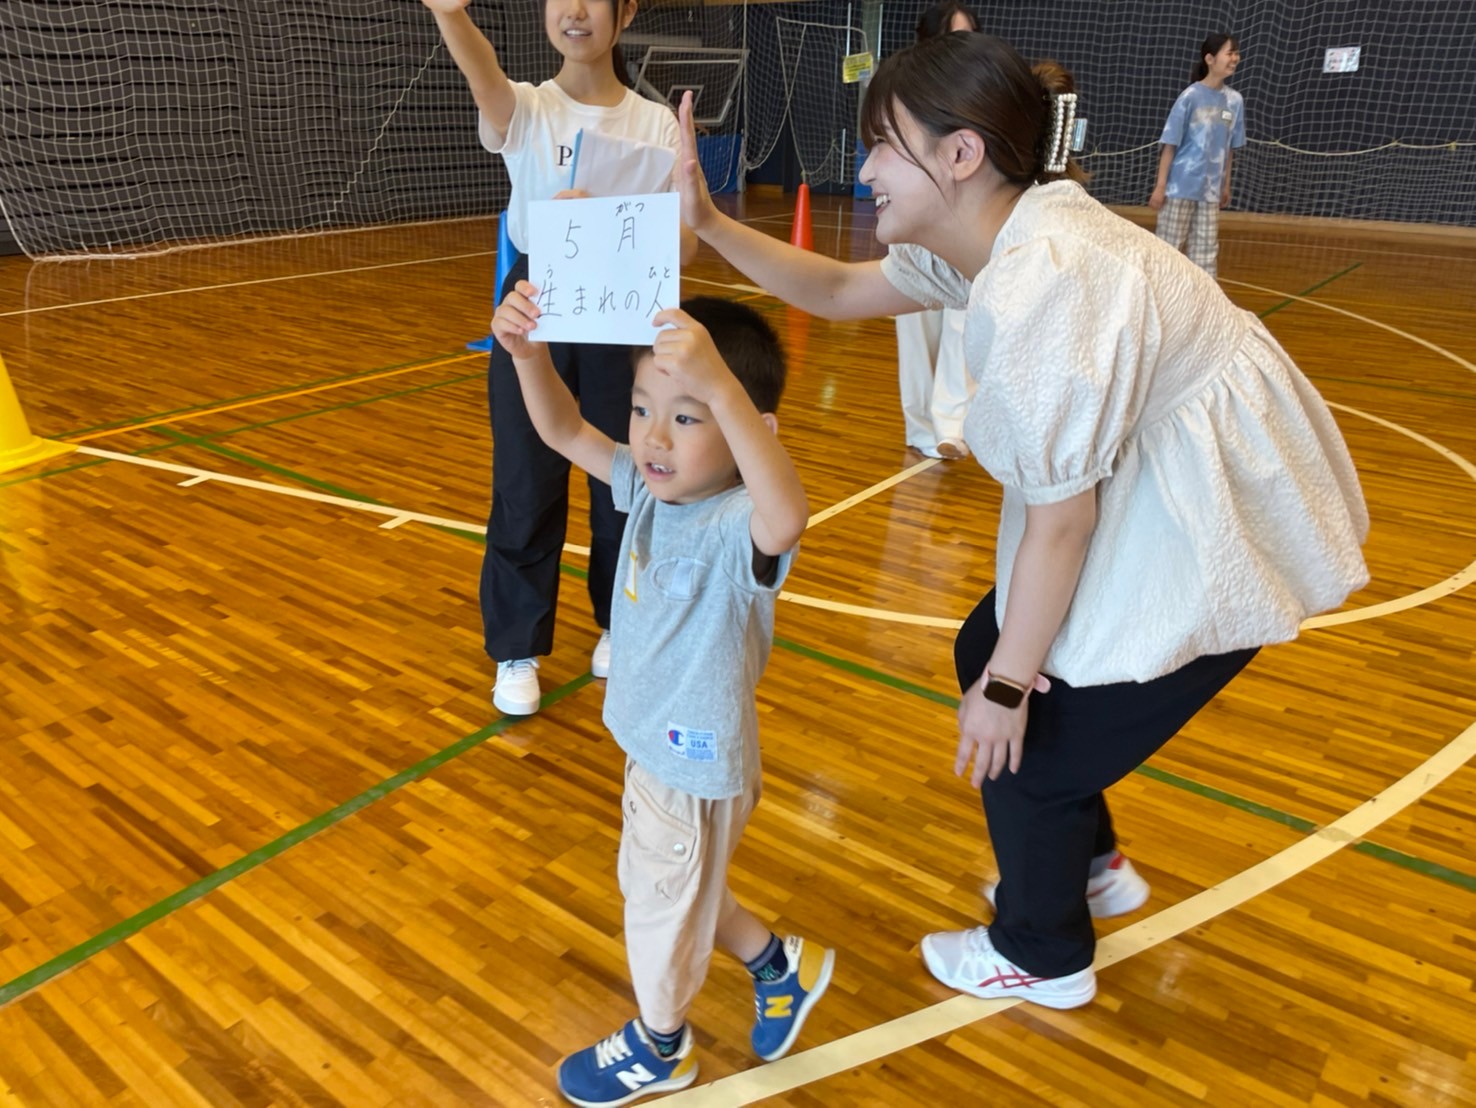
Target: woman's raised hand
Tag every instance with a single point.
(698, 210)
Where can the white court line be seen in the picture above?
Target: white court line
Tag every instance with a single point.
(397, 516)
(721, 284)
(946, 1016)
(304, 277)
(243, 284)
(1333, 246)
(867, 494)
(890, 615)
(1454, 583)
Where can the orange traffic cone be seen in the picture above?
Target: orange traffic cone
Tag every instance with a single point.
(800, 234)
(18, 447)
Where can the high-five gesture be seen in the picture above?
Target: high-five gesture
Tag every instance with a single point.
(697, 206)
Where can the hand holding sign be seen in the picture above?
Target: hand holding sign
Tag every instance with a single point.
(685, 352)
(515, 317)
(604, 267)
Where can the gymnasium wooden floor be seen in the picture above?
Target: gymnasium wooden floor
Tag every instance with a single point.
(263, 840)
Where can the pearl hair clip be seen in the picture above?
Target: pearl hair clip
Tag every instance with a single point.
(1063, 124)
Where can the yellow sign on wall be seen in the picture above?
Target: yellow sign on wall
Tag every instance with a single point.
(857, 67)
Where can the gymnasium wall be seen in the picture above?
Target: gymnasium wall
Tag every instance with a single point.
(1416, 85)
(134, 120)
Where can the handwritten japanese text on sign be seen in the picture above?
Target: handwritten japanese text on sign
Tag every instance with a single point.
(604, 267)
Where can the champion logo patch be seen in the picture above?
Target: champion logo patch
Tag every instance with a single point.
(694, 746)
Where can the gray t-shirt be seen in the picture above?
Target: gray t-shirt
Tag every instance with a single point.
(690, 632)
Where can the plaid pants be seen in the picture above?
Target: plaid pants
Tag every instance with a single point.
(1199, 221)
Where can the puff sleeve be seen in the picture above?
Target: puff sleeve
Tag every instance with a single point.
(923, 276)
(1067, 335)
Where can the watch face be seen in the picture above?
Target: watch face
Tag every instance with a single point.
(1005, 694)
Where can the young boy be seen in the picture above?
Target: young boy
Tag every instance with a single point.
(715, 511)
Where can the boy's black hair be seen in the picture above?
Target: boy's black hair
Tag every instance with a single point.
(747, 343)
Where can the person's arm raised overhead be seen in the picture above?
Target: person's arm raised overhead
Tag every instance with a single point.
(477, 59)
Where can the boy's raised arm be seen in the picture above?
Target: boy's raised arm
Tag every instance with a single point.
(780, 510)
(551, 406)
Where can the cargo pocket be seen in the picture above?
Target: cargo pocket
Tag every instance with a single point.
(658, 848)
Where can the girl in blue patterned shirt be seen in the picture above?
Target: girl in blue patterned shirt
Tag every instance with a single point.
(1207, 122)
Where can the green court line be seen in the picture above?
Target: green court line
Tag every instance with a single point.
(1309, 291)
(127, 928)
(1251, 807)
(1414, 864)
(1419, 865)
(283, 390)
(1354, 380)
(53, 472)
(259, 463)
(342, 407)
(1209, 792)
(148, 450)
(857, 670)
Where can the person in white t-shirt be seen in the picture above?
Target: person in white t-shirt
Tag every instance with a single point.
(533, 127)
(1175, 492)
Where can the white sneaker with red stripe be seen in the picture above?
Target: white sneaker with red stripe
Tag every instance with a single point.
(968, 962)
(1116, 891)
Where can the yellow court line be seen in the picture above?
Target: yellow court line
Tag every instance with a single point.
(882, 1040)
(198, 412)
(1454, 583)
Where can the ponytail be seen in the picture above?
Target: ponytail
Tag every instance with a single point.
(1212, 45)
(617, 58)
(978, 83)
(1059, 90)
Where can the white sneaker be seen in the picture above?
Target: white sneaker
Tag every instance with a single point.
(599, 661)
(968, 962)
(516, 692)
(1118, 890)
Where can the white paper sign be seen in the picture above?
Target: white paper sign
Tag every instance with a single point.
(604, 266)
(602, 161)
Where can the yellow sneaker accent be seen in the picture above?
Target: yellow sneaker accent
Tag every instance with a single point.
(778, 1007)
(811, 965)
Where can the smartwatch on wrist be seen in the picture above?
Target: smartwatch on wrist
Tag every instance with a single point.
(1004, 692)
